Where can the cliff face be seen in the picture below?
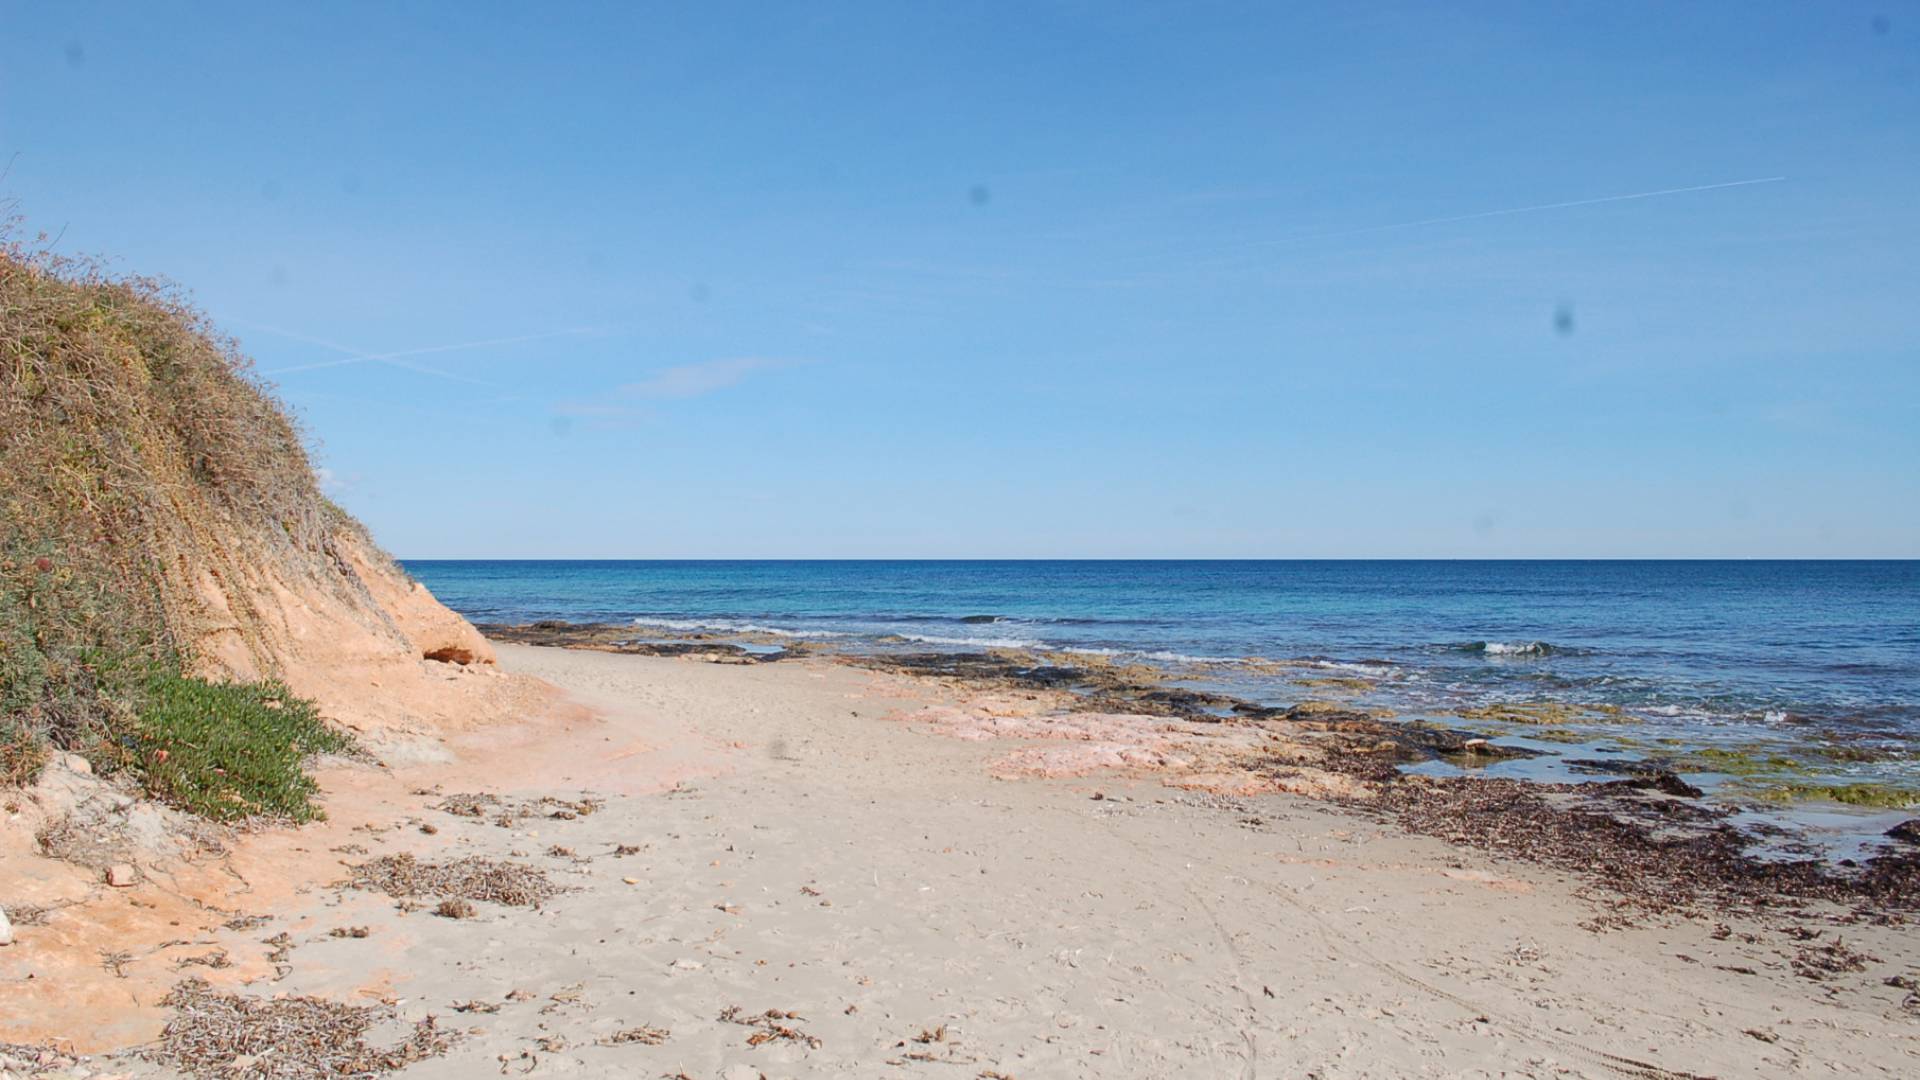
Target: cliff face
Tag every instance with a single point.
(158, 510)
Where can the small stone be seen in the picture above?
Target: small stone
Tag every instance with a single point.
(78, 764)
(631, 880)
(122, 876)
(6, 928)
(684, 964)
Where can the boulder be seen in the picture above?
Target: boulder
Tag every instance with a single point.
(1907, 832)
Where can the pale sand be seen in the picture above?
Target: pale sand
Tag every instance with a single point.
(804, 852)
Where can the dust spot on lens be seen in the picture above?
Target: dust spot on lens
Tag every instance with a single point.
(1563, 319)
(76, 54)
(979, 194)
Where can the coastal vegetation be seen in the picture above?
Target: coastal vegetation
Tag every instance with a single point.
(143, 467)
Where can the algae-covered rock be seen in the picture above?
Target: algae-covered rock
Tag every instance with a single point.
(1547, 713)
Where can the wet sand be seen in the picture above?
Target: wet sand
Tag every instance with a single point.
(812, 838)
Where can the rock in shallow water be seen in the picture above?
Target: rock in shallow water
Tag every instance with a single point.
(1907, 832)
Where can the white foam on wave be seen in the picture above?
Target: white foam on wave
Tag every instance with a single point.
(723, 627)
(977, 642)
(1515, 648)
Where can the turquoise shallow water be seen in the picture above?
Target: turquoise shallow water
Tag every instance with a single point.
(1783, 654)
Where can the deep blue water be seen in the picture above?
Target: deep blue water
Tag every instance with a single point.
(1697, 650)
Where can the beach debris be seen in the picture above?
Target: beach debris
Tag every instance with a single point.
(772, 1024)
(349, 932)
(215, 1036)
(468, 804)
(1820, 962)
(475, 1006)
(471, 878)
(282, 943)
(38, 1059)
(116, 961)
(1911, 984)
(429, 828)
(509, 813)
(456, 908)
(624, 850)
(647, 1036)
(552, 1044)
(218, 958)
(244, 923)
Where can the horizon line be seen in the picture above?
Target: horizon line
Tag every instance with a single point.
(1156, 558)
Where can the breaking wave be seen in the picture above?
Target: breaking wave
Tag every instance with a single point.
(1517, 648)
(716, 626)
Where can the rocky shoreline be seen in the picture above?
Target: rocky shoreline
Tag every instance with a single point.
(1647, 842)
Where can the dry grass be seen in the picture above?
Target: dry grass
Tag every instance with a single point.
(140, 461)
(214, 1036)
(471, 878)
(94, 841)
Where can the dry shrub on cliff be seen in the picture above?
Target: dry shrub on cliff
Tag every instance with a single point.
(142, 466)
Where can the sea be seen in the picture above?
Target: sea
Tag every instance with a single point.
(1787, 672)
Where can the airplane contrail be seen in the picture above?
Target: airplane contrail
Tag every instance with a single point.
(396, 358)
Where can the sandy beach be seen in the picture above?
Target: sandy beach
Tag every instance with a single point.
(785, 870)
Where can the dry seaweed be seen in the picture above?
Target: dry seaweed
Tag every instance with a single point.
(1820, 962)
(772, 1026)
(648, 1036)
(215, 1036)
(1653, 854)
(471, 878)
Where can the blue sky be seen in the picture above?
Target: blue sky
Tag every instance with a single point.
(1032, 279)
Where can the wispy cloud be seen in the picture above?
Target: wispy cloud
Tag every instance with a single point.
(694, 380)
(630, 404)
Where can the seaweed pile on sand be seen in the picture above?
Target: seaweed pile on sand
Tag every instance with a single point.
(215, 1036)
